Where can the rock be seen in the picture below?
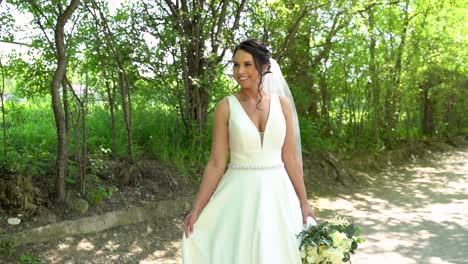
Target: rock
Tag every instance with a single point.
(46, 217)
(149, 230)
(76, 203)
(460, 140)
(70, 197)
(80, 206)
(14, 221)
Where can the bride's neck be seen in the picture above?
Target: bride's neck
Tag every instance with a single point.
(250, 94)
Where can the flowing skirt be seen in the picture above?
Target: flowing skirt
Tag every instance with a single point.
(253, 217)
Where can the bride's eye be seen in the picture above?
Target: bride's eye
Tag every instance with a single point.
(235, 65)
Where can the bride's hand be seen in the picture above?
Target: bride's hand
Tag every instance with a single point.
(190, 220)
(307, 211)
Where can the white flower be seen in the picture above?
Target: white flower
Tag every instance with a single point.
(311, 259)
(346, 244)
(337, 237)
(303, 252)
(311, 251)
(334, 254)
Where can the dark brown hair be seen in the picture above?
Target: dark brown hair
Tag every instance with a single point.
(261, 56)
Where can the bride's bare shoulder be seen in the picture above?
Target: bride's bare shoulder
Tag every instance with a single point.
(285, 104)
(223, 103)
(222, 109)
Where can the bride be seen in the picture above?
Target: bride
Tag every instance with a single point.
(251, 212)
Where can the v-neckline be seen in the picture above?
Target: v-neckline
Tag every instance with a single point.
(253, 124)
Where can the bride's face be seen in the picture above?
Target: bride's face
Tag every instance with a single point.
(244, 70)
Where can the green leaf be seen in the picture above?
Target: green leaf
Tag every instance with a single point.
(70, 180)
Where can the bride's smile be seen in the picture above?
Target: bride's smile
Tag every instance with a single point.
(244, 70)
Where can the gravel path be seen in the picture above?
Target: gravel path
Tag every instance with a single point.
(417, 214)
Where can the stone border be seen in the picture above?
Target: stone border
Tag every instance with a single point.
(98, 223)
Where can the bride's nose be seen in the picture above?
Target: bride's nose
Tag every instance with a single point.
(240, 70)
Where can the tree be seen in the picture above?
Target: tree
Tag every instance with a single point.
(124, 84)
(61, 113)
(205, 31)
(59, 76)
(2, 107)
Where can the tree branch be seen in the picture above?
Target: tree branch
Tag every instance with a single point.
(293, 30)
(16, 43)
(234, 27)
(37, 14)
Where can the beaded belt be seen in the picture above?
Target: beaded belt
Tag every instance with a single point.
(255, 167)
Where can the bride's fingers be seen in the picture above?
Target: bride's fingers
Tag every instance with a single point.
(313, 216)
(186, 229)
(191, 227)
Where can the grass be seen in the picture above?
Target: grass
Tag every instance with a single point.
(158, 133)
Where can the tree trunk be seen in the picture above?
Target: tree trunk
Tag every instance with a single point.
(323, 56)
(392, 97)
(111, 100)
(2, 96)
(66, 107)
(427, 124)
(124, 92)
(110, 92)
(59, 75)
(194, 30)
(84, 149)
(124, 83)
(80, 143)
(325, 106)
(301, 75)
(376, 119)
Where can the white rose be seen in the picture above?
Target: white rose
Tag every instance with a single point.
(337, 237)
(311, 259)
(303, 253)
(335, 255)
(346, 244)
(311, 251)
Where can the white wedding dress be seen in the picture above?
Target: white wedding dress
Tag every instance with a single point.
(254, 215)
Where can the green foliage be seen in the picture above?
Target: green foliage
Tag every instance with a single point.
(31, 160)
(70, 180)
(357, 71)
(311, 136)
(32, 79)
(31, 149)
(97, 194)
(10, 247)
(27, 258)
(100, 132)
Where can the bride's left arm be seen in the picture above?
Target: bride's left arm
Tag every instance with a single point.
(292, 161)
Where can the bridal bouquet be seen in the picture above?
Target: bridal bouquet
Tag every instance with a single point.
(329, 243)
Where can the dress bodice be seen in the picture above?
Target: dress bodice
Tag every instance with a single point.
(254, 208)
(245, 142)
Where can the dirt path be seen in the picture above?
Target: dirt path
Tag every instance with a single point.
(417, 214)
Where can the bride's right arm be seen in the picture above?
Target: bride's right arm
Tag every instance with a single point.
(216, 165)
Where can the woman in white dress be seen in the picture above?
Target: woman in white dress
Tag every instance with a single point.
(251, 212)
